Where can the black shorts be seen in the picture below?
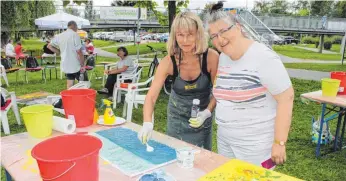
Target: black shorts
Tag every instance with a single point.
(75, 76)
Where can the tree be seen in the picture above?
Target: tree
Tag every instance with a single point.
(78, 2)
(340, 9)
(321, 8)
(16, 15)
(279, 7)
(89, 12)
(123, 3)
(261, 7)
(173, 8)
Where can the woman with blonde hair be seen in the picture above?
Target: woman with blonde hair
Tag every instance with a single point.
(254, 94)
(193, 67)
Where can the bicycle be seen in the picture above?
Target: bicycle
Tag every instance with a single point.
(153, 65)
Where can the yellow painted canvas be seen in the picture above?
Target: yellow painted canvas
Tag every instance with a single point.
(237, 170)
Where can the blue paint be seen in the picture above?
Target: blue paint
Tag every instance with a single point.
(128, 140)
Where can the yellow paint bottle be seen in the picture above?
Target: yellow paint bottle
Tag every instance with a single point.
(108, 116)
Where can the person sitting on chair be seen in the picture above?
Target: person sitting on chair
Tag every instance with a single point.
(47, 52)
(9, 50)
(19, 53)
(124, 66)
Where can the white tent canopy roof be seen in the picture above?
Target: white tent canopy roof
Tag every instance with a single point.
(60, 20)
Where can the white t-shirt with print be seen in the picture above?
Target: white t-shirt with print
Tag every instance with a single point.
(244, 92)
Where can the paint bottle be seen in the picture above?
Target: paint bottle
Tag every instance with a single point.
(195, 108)
(108, 116)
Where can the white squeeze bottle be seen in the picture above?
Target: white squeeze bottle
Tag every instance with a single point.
(195, 108)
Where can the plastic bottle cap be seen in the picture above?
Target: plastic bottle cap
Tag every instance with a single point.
(195, 101)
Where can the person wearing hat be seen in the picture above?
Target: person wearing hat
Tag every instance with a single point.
(47, 52)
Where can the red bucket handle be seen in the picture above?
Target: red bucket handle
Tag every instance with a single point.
(74, 164)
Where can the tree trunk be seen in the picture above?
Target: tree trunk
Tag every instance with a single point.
(171, 13)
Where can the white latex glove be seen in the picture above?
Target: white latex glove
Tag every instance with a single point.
(201, 117)
(145, 133)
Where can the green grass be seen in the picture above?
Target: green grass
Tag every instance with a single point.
(143, 49)
(34, 45)
(317, 67)
(335, 47)
(294, 52)
(301, 161)
(103, 43)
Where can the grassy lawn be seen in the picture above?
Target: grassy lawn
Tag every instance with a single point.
(317, 67)
(103, 43)
(143, 49)
(294, 52)
(301, 161)
(335, 47)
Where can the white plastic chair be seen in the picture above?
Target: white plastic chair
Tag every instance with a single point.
(110, 66)
(135, 76)
(3, 74)
(12, 102)
(133, 97)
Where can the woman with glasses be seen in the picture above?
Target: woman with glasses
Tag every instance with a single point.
(254, 94)
(193, 67)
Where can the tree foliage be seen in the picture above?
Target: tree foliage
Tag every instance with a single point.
(16, 15)
(123, 3)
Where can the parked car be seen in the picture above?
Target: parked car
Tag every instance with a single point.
(290, 40)
(274, 39)
(164, 38)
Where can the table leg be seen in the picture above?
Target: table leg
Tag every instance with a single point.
(337, 130)
(50, 74)
(318, 148)
(8, 176)
(343, 131)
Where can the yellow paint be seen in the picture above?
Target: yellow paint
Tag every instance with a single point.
(105, 162)
(242, 171)
(29, 164)
(189, 87)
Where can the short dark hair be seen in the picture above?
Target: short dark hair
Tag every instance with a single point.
(124, 50)
(70, 23)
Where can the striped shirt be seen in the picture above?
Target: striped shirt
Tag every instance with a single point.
(244, 89)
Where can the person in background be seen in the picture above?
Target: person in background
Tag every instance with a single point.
(89, 46)
(9, 49)
(68, 44)
(47, 52)
(19, 53)
(254, 94)
(124, 66)
(193, 67)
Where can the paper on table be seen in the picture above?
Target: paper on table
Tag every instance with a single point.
(64, 125)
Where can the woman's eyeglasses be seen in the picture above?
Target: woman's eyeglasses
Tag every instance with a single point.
(213, 36)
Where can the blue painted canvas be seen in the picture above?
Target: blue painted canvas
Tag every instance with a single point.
(122, 149)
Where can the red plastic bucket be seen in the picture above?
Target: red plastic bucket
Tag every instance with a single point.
(68, 158)
(342, 77)
(79, 104)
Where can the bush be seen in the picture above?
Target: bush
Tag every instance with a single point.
(308, 40)
(336, 39)
(327, 43)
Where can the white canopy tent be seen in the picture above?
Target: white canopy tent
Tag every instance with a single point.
(60, 20)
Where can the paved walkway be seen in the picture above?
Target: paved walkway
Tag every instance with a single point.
(316, 50)
(307, 74)
(293, 73)
(286, 59)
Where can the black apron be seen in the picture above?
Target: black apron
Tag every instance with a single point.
(180, 103)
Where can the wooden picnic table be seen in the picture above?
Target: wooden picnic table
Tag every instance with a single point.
(338, 105)
(18, 163)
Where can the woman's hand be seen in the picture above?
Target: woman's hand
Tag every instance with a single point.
(278, 153)
(107, 72)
